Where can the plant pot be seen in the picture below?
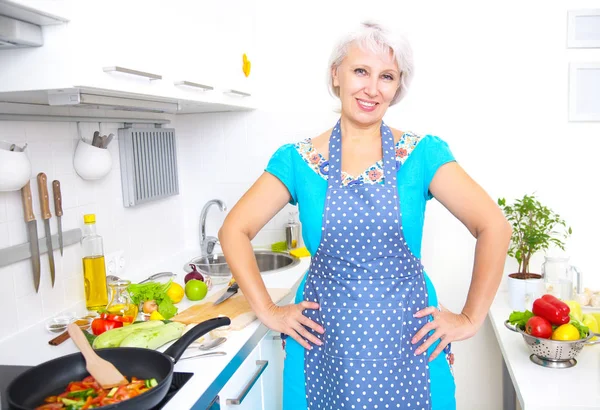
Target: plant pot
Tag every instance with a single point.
(523, 289)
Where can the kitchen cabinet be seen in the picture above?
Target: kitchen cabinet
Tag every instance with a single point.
(186, 53)
(272, 380)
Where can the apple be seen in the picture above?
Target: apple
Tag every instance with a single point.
(575, 309)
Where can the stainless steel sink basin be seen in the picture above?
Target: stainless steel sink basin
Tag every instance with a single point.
(216, 266)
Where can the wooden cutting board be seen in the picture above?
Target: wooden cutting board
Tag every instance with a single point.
(236, 308)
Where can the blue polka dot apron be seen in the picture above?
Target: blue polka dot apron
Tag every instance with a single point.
(368, 285)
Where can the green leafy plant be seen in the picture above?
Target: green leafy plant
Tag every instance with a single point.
(534, 229)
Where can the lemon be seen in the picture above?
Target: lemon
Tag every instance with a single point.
(175, 292)
(591, 323)
(156, 316)
(565, 333)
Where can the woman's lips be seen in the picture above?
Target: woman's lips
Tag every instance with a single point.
(367, 106)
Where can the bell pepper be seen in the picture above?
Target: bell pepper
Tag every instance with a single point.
(100, 326)
(550, 312)
(116, 318)
(558, 303)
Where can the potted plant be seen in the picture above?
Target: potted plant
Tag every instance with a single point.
(535, 228)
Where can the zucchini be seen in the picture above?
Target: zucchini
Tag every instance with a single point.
(155, 337)
(114, 337)
(112, 392)
(150, 382)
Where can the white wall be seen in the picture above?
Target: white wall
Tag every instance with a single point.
(491, 81)
(145, 234)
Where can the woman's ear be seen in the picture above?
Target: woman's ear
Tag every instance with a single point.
(334, 77)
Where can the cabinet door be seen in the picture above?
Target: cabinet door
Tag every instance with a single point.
(243, 391)
(272, 380)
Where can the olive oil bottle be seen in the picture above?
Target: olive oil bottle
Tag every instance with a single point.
(94, 269)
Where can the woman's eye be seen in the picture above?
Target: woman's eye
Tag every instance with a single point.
(388, 77)
(360, 71)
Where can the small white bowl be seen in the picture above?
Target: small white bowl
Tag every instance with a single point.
(91, 163)
(15, 167)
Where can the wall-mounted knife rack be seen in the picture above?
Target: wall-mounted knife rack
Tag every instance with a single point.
(21, 252)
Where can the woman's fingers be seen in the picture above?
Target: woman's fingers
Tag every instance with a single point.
(309, 305)
(307, 335)
(311, 324)
(424, 331)
(439, 349)
(430, 340)
(430, 310)
(294, 335)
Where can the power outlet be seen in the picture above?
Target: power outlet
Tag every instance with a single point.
(115, 263)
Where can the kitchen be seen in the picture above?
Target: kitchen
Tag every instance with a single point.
(484, 78)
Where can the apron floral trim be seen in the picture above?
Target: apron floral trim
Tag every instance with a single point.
(372, 175)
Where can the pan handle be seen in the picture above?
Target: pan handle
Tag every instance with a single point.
(177, 349)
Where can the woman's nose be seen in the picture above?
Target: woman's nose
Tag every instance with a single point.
(371, 87)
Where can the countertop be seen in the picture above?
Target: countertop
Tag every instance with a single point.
(30, 347)
(537, 387)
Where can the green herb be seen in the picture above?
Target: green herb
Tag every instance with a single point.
(90, 337)
(156, 291)
(520, 318)
(583, 330)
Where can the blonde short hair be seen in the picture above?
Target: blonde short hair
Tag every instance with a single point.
(374, 37)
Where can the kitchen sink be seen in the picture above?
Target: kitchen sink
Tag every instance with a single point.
(216, 266)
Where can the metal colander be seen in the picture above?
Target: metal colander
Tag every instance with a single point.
(552, 353)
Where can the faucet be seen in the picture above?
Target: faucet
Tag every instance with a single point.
(207, 243)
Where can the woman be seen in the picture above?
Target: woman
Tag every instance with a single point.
(358, 328)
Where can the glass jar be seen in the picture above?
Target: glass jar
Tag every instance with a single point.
(94, 270)
(120, 301)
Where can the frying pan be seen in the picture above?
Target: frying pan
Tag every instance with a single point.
(50, 378)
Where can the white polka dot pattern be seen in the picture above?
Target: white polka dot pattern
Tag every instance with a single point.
(368, 285)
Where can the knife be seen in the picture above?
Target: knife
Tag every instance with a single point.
(33, 236)
(58, 212)
(232, 290)
(46, 215)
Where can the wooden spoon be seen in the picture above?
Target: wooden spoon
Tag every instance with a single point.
(104, 372)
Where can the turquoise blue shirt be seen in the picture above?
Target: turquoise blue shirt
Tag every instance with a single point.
(307, 188)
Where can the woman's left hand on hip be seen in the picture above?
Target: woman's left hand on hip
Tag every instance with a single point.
(447, 326)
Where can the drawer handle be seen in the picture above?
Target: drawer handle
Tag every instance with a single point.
(118, 69)
(262, 365)
(195, 85)
(237, 93)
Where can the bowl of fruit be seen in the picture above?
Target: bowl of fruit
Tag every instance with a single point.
(552, 334)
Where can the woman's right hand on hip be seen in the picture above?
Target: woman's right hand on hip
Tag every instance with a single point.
(289, 319)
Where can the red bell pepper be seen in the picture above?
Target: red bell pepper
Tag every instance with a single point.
(549, 312)
(116, 318)
(558, 303)
(100, 326)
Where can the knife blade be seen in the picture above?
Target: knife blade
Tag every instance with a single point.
(232, 290)
(58, 212)
(32, 233)
(46, 215)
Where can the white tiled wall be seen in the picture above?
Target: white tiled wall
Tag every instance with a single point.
(145, 233)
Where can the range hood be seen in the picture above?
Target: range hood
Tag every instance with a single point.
(105, 99)
(16, 34)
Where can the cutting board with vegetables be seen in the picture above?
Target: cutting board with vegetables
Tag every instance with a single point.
(236, 308)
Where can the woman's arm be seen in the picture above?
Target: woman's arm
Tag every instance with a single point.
(468, 202)
(258, 206)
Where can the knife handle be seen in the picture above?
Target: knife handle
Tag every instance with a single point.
(27, 207)
(57, 198)
(44, 201)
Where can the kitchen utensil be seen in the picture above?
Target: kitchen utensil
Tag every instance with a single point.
(113, 278)
(103, 371)
(46, 215)
(96, 139)
(192, 356)
(90, 162)
(32, 233)
(29, 389)
(558, 276)
(211, 344)
(15, 167)
(58, 212)
(107, 140)
(231, 290)
(237, 308)
(552, 353)
(84, 323)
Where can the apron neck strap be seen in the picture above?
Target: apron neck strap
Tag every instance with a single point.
(334, 179)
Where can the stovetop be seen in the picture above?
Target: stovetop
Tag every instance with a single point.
(9, 373)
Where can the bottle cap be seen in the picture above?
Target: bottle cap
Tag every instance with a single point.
(89, 218)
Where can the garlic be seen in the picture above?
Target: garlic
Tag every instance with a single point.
(596, 300)
(583, 298)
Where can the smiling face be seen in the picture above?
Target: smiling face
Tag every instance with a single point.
(367, 84)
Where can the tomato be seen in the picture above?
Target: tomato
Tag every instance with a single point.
(116, 318)
(100, 326)
(539, 327)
